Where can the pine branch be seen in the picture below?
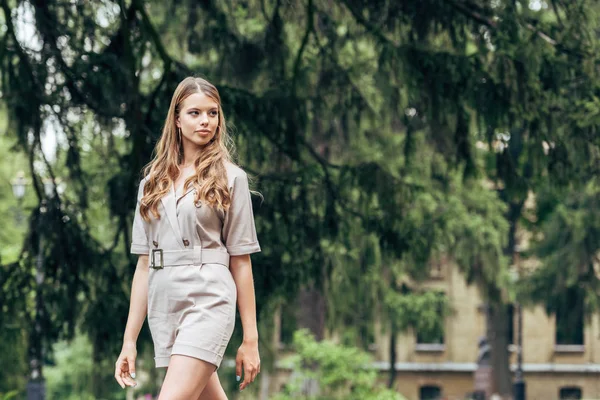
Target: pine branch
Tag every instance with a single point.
(160, 48)
(465, 8)
(10, 29)
(369, 27)
(309, 29)
(45, 24)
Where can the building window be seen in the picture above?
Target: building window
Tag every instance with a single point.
(570, 393)
(569, 319)
(430, 335)
(430, 392)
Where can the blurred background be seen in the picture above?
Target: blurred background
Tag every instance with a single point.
(430, 227)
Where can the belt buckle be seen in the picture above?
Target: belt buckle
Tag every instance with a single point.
(153, 265)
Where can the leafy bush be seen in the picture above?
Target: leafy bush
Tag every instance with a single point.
(12, 395)
(338, 372)
(72, 376)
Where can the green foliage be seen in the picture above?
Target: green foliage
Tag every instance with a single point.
(73, 375)
(567, 245)
(424, 312)
(13, 351)
(383, 136)
(14, 214)
(341, 372)
(9, 395)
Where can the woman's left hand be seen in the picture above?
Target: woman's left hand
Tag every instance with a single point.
(248, 358)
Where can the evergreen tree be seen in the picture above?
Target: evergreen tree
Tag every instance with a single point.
(361, 123)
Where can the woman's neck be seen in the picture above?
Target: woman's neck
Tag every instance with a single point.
(188, 161)
(186, 164)
(190, 154)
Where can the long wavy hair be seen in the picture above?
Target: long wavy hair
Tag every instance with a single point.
(210, 180)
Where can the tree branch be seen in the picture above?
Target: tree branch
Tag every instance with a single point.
(464, 8)
(160, 48)
(309, 29)
(476, 16)
(45, 24)
(371, 28)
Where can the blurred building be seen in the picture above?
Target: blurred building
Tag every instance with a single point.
(561, 353)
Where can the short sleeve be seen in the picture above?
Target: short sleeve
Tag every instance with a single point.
(239, 232)
(139, 231)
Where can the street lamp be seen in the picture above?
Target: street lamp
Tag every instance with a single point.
(18, 187)
(519, 389)
(48, 187)
(519, 384)
(36, 388)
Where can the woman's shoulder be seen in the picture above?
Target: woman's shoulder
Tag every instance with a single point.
(234, 171)
(143, 180)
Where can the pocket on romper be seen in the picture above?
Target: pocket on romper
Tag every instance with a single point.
(160, 330)
(157, 294)
(220, 284)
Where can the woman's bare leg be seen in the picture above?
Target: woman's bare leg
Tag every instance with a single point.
(213, 389)
(186, 378)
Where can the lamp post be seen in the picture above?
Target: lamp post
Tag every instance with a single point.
(519, 384)
(18, 187)
(519, 389)
(36, 387)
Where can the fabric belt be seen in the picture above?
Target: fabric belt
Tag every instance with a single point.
(160, 258)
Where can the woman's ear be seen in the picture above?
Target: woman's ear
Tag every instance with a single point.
(177, 123)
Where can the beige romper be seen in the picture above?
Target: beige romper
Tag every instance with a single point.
(191, 293)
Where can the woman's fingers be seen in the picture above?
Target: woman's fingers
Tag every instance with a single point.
(127, 379)
(250, 374)
(131, 365)
(247, 377)
(238, 368)
(130, 374)
(118, 374)
(122, 374)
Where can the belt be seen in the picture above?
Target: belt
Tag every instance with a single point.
(160, 258)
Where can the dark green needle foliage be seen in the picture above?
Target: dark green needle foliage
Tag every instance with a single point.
(382, 135)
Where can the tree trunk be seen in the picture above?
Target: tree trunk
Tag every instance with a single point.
(392, 372)
(497, 334)
(310, 314)
(311, 311)
(497, 314)
(97, 388)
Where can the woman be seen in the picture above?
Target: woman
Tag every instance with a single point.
(194, 233)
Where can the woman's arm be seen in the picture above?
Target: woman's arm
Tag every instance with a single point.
(241, 270)
(138, 304)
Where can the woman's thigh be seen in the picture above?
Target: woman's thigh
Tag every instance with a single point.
(186, 378)
(213, 389)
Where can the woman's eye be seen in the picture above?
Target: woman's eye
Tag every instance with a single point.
(194, 112)
(213, 113)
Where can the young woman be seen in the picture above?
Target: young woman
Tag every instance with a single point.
(194, 233)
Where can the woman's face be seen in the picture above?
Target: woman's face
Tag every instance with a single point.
(198, 119)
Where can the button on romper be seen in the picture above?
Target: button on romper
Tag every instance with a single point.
(192, 298)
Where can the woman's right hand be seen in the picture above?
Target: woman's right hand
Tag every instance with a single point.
(125, 366)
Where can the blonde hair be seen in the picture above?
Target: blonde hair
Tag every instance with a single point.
(210, 179)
